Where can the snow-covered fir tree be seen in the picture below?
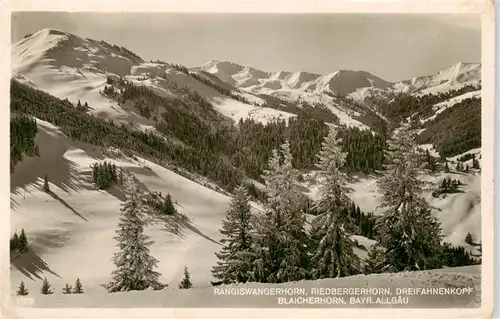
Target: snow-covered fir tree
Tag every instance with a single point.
(78, 287)
(134, 264)
(236, 256)
(46, 287)
(281, 246)
(23, 241)
(22, 291)
(67, 289)
(375, 263)
(333, 254)
(186, 281)
(408, 230)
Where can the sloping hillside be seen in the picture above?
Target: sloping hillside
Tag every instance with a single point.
(65, 227)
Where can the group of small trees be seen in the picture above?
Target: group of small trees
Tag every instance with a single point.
(448, 186)
(162, 205)
(465, 168)
(78, 289)
(46, 288)
(23, 131)
(105, 174)
(110, 91)
(83, 108)
(365, 222)
(19, 243)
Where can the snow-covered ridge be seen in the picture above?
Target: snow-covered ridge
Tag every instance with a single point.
(58, 48)
(453, 77)
(341, 82)
(441, 107)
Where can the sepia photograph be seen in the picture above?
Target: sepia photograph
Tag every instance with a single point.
(247, 160)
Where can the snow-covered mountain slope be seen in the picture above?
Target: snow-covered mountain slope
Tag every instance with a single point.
(454, 77)
(301, 87)
(442, 106)
(67, 66)
(74, 227)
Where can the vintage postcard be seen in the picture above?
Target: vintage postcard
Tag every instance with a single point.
(198, 160)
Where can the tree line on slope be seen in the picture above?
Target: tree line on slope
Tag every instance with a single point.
(207, 146)
(23, 130)
(400, 106)
(305, 134)
(456, 129)
(89, 129)
(453, 131)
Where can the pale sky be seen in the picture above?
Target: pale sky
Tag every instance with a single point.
(393, 47)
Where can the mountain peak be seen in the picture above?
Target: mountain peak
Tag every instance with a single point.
(59, 48)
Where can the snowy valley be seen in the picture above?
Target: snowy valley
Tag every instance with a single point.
(196, 135)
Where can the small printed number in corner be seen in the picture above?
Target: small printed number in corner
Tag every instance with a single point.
(25, 301)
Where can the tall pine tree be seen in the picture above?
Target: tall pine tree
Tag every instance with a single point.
(282, 242)
(135, 266)
(235, 258)
(408, 230)
(333, 254)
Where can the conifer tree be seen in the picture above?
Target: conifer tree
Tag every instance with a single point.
(282, 244)
(334, 255)
(376, 262)
(468, 239)
(22, 291)
(78, 287)
(46, 287)
(67, 289)
(186, 281)
(134, 264)
(408, 231)
(446, 168)
(235, 257)
(168, 206)
(46, 187)
(23, 241)
(120, 177)
(475, 163)
(14, 243)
